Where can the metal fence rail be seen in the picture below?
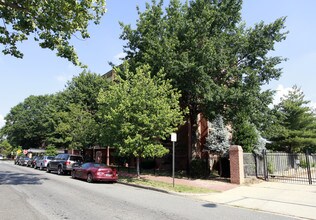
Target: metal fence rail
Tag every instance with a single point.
(284, 167)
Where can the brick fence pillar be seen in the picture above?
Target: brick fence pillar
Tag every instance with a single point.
(236, 164)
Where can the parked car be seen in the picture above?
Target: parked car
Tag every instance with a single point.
(31, 162)
(17, 159)
(23, 160)
(91, 172)
(42, 162)
(63, 163)
(1, 157)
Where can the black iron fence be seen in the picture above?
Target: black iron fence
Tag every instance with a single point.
(279, 166)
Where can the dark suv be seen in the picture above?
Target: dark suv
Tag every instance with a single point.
(63, 163)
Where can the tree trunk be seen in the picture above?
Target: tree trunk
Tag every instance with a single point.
(220, 167)
(189, 145)
(192, 128)
(137, 166)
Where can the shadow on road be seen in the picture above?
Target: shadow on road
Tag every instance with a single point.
(10, 178)
(210, 205)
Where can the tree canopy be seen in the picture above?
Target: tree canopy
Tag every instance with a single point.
(28, 124)
(52, 23)
(67, 119)
(138, 112)
(216, 62)
(294, 125)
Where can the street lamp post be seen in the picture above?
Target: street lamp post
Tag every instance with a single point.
(173, 139)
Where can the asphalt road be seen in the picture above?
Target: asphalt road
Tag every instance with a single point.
(26, 193)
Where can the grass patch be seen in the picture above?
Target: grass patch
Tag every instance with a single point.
(164, 186)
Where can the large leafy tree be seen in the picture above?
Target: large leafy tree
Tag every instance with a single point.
(294, 125)
(84, 89)
(75, 112)
(53, 23)
(28, 124)
(75, 128)
(138, 112)
(217, 63)
(66, 119)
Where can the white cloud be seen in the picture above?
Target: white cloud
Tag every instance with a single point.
(2, 121)
(117, 58)
(312, 105)
(280, 92)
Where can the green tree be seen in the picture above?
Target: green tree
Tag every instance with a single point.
(51, 150)
(218, 140)
(53, 23)
(6, 148)
(244, 133)
(217, 63)
(84, 89)
(28, 123)
(75, 116)
(294, 125)
(75, 128)
(138, 112)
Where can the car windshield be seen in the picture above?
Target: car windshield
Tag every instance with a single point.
(99, 165)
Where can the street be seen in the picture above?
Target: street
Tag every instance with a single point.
(27, 193)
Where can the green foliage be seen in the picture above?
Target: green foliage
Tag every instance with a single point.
(28, 123)
(270, 167)
(138, 112)
(5, 148)
(76, 127)
(75, 112)
(245, 134)
(218, 139)
(83, 90)
(294, 125)
(52, 23)
(199, 168)
(51, 150)
(217, 63)
(67, 119)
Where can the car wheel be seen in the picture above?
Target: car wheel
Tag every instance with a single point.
(59, 170)
(48, 170)
(73, 175)
(89, 178)
(41, 167)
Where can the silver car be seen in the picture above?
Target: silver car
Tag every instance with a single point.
(42, 162)
(23, 160)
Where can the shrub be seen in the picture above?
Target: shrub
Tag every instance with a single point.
(199, 168)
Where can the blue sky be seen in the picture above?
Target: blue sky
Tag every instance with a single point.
(42, 72)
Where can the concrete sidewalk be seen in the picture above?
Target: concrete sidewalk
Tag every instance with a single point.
(282, 198)
(295, 200)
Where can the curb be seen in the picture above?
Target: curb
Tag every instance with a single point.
(148, 188)
(166, 191)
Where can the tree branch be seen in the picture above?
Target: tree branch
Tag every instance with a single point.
(12, 5)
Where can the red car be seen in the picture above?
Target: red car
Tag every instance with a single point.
(94, 172)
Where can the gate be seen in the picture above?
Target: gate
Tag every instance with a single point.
(287, 167)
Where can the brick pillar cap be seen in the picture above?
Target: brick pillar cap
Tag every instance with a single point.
(235, 148)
